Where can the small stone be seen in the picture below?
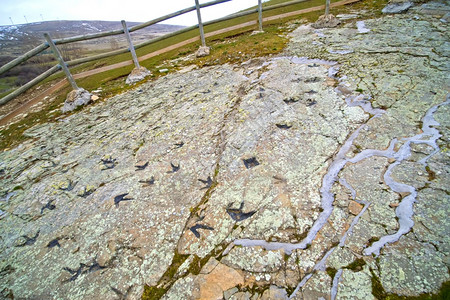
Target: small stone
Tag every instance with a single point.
(354, 208)
(187, 69)
(445, 18)
(104, 258)
(95, 97)
(137, 74)
(257, 32)
(163, 70)
(326, 21)
(404, 194)
(203, 51)
(393, 205)
(343, 90)
(76, 98)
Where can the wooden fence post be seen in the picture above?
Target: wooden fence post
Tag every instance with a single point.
(200, 24)
(260, 21)
(327, 7)
(63, 65)
(130, 44)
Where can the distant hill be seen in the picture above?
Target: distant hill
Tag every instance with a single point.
(16, 39)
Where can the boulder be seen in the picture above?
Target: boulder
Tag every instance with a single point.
(76, 98)
(137, 74)
(203, 51)
(326, 21)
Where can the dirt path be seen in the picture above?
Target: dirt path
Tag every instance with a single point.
(24, 107)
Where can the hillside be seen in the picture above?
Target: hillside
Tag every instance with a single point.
(319, 172)
(17, 39)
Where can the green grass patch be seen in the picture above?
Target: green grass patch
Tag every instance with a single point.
(431, 173)
(13, 135)
(331, 272)
(7, 83)
(356, 265)
(156, 292)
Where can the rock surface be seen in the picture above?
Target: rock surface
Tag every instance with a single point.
(265, 180)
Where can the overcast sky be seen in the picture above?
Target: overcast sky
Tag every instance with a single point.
(29, 11)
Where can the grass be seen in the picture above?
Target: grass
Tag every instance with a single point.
(7, 83)
(156, 292)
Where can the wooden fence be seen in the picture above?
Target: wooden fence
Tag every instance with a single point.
(64, 65)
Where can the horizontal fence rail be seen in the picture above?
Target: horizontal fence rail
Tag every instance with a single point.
(134, 28)
(62, 65)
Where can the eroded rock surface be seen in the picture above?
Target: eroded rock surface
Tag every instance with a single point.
(267, 180)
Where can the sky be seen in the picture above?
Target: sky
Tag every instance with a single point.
(30, 11)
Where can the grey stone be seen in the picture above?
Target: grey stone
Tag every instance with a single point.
(257, 32)
(203, 51)
(397, 7)
(137, 74)
(76, 98)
